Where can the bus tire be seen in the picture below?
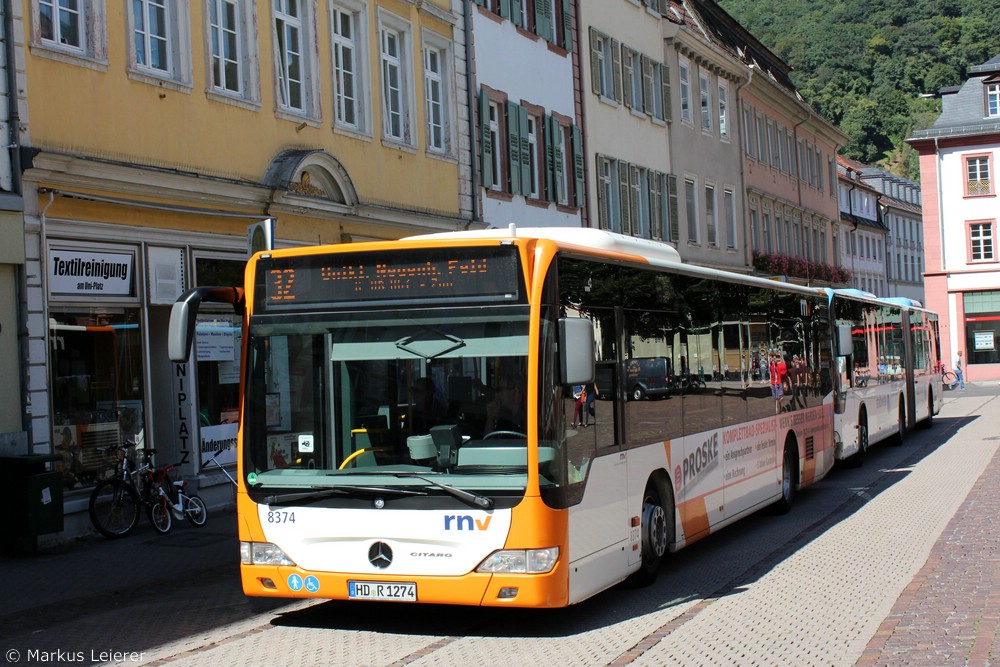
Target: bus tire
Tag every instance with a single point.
(657, 526)
(789, 477)
(858, 457)
(900, 425)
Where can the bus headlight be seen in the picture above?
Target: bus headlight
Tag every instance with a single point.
(263, 553)
(523, 561)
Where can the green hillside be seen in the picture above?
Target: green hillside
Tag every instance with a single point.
(866, 65)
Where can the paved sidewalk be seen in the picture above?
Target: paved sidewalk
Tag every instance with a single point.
(950, 612)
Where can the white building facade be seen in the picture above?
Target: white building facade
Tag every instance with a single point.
(959, 157)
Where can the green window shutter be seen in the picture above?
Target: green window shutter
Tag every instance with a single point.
(514, 147)
(617, 60)
(579, 183)
(628, 63)
(558, 159)
(550, 160)
(647, 85)
(567, 25)
(595, 61)
(624, 197)
(543, 20)
(515, 12)
(486, 146)
(602, 193)
(522, 122)
(504, 7)
(672, 209)
(668, 112)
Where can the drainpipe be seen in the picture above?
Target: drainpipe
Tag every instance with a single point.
(470, 89)
(743, 142)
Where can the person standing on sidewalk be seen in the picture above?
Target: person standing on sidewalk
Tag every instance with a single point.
(958, 370)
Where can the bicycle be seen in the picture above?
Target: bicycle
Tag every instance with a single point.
(949, 379)
(115, 502)
(162, 509)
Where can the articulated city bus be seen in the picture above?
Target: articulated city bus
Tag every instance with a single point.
(889, 375)
(407, 428)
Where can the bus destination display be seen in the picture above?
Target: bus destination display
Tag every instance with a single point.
(478, 273)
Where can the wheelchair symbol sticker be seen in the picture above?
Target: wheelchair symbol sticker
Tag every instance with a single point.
(311, 584)
(295, 582)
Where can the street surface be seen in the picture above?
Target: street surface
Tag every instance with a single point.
(814, 587)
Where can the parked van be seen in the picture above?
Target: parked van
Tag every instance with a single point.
(646, 378)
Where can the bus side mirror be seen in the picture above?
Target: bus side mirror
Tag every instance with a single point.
(576, 350)
(845, 341)
(181, 331)
(184, 313)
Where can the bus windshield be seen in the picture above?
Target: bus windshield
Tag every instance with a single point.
(426, 399)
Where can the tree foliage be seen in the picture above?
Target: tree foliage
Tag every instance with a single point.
(874, 67)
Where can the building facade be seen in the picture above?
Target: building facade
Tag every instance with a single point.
(863, 233)
(899, 206)
(787, 155)
(152, 146)
(527, 123)
(959, 155)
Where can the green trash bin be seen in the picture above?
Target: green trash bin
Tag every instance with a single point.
(34, 498)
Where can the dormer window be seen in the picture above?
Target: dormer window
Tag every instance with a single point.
(993, 99)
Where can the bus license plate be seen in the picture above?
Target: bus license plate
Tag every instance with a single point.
(382, 590)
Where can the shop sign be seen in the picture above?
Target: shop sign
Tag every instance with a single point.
(219, 441)
(73, 273)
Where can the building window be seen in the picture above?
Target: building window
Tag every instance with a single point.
(754, 230)
(729, 203)
(70, 30)
(761, 138)
(723, 110)
(710, 221)
(161, 40)
(293, 34)
(981, 245)
(982, 327)
(691, 206)
(493, 129)
(605, 76)
(977, 176)
(632, 79)
(706, 101)
(608, 209)
(350, 82)
(535, 156)
(231, 49)
(993, 100)
(437, 92)
(684, 70)
(748, 133)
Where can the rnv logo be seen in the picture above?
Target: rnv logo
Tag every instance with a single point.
(465, 522)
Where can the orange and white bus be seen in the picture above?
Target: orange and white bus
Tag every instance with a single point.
(888, 370)
(407, 427)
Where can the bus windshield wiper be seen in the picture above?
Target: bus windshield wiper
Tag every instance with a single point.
(473, 499)
(324, 492)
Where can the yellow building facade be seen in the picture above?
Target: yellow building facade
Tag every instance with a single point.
(155, 134)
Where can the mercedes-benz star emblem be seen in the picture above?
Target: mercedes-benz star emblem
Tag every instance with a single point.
(380, 555)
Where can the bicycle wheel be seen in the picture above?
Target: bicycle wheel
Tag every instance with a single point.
(114, 508)
(195, 510)
(159, 515)
(949, 379)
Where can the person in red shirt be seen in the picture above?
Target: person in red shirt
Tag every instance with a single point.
(779, 374)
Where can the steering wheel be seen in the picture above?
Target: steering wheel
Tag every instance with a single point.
(504, 434)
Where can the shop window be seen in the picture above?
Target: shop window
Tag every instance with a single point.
(96, 386)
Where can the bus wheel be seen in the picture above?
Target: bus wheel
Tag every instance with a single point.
(657, 534)
(901, 425)
(789, 478)
(858, 458)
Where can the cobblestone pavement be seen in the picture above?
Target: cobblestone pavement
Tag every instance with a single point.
(897, 563)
